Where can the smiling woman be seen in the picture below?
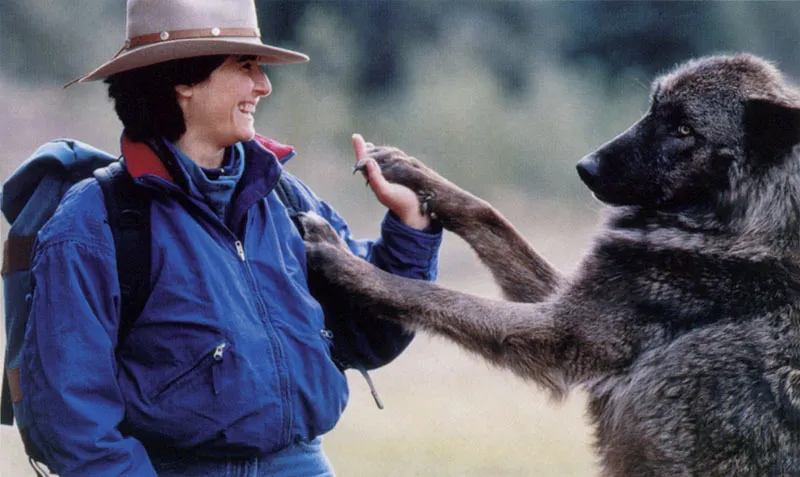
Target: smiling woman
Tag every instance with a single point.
(218, 112)
(231, 368)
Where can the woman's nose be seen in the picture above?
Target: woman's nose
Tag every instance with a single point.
(262, 86)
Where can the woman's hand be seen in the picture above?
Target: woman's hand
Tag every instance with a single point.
(402, 201)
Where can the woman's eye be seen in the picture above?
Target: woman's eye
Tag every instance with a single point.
(684, 130)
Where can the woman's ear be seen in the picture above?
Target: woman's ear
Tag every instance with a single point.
(183, 90)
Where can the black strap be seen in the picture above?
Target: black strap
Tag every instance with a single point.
(129, 218)
(6, 406)
(288, 196)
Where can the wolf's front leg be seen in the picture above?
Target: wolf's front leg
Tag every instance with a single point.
(544, 342)
(522, 274)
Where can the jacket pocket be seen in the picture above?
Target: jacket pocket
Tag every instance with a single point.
(184, 379)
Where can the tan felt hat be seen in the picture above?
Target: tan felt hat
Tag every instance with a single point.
(163, 30)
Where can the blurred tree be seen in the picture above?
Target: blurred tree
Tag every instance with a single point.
(386, 29)
(53, 42)
(650, 36)
(49, 41)
(26, 45)
(381, 27)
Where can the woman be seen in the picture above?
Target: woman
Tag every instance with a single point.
(228, 369)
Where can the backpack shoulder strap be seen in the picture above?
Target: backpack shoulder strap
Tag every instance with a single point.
(6, 406)
(129, 218)
(288, 195)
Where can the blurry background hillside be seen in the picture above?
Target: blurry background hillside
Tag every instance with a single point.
(503, 97)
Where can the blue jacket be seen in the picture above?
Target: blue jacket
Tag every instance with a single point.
(230, 355)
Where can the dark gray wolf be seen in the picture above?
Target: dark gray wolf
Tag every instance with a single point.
(682, 321)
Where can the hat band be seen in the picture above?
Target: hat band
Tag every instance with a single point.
(189, 34)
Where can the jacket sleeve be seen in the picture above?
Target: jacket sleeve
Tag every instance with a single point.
(69, 384)
(399, 250)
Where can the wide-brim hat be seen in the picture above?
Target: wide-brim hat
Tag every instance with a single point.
(164, 30)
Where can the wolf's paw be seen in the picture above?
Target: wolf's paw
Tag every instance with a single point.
(324, 248)
(315, 230)
(333, 270)
(400, 168)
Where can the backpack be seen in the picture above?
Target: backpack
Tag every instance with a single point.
(30, 197)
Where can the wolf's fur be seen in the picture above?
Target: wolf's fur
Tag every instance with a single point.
(682, 322)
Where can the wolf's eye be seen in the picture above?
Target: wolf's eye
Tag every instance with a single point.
(684, 130)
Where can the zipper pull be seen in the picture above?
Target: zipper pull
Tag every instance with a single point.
(216, 376)
(220, 349)
(240, 249)
(371, 387)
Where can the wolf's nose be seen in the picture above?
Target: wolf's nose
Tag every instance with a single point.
(588, 169)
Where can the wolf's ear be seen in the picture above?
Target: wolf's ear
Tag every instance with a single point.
(771, 128)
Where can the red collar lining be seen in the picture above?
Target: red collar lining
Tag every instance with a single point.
(280, 150)
(140, 158)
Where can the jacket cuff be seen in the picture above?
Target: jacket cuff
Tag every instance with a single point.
(417, 248)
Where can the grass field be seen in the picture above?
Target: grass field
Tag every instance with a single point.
(447, 414)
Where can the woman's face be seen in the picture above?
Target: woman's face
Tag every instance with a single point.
(221, 108)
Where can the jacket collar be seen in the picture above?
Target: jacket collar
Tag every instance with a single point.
(281, 151)
(141, 159)
(262, 169)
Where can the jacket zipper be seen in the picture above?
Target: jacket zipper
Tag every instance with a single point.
(240, 250)
(283, 378)
(213, 358)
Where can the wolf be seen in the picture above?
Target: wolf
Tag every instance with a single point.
(682, 321)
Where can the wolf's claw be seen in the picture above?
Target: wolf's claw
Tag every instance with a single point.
(360, 166)
(426, 204)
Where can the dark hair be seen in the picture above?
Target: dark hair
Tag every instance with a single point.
(144, 98)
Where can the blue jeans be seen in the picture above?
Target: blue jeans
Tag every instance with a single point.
(303, 459)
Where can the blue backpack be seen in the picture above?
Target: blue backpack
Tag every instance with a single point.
(29, 198)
